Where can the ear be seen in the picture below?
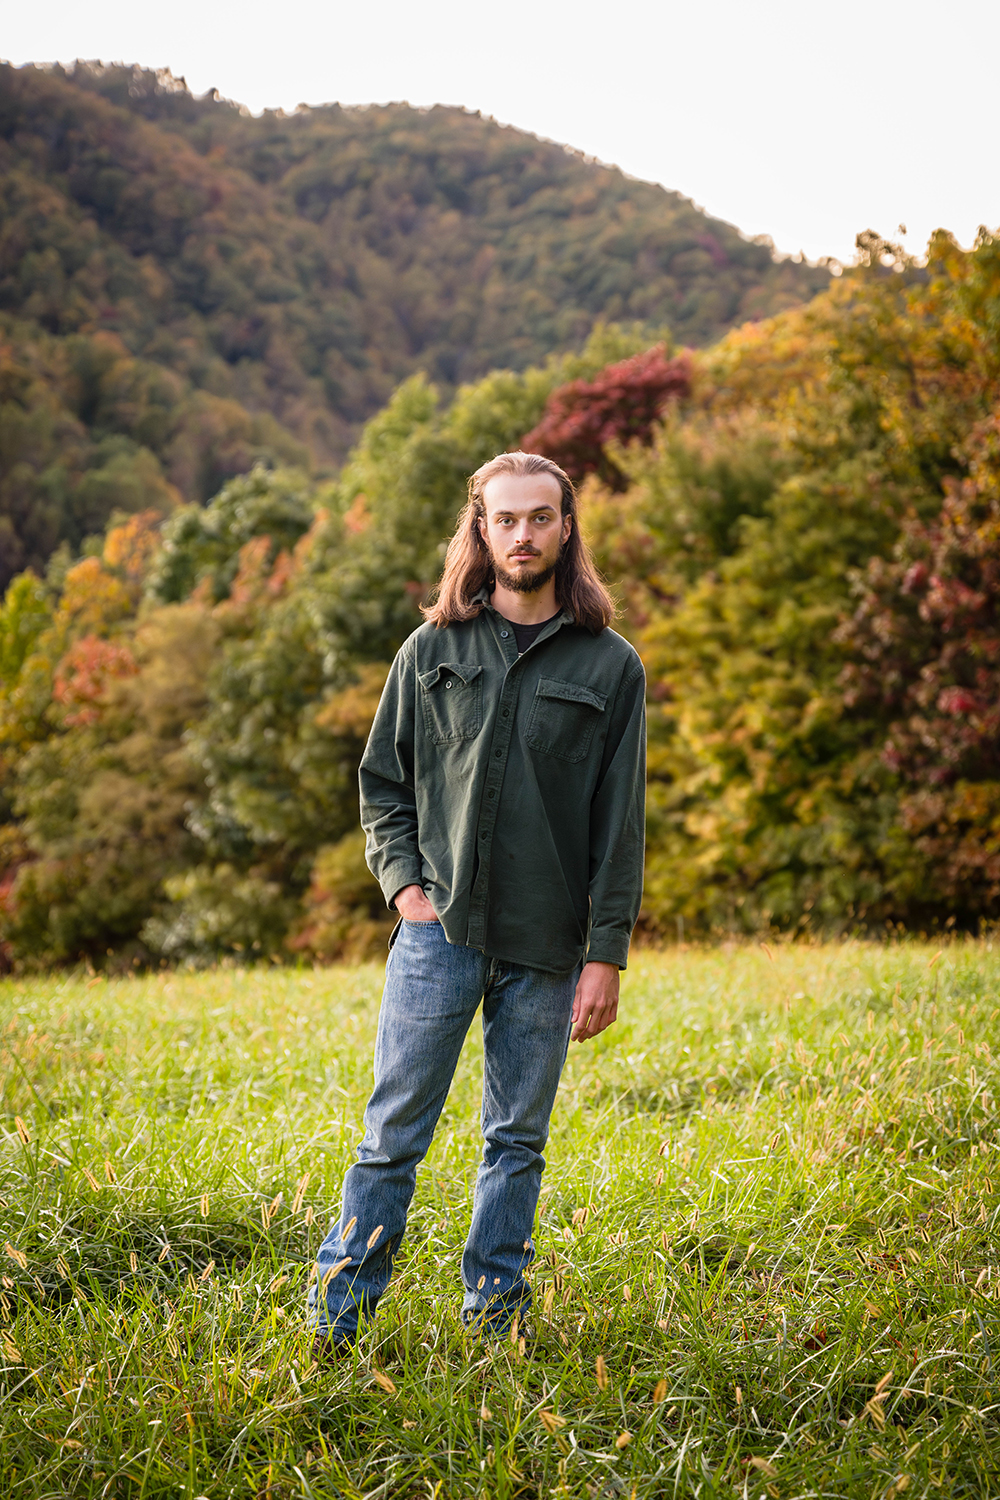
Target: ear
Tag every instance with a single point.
(567, 527)
(481, 523)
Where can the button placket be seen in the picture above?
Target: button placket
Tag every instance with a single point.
(502, 730)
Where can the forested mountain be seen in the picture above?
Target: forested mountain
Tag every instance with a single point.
(185, 288)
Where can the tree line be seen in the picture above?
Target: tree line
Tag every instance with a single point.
(802, 523)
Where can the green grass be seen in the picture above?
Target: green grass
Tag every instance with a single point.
(770, 1208)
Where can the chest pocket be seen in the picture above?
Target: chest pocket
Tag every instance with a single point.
(452, 701)
(563, 718)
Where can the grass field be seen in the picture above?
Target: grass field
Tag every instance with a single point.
(767, 1247)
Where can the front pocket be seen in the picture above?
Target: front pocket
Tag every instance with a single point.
(452, 700)
(563, 718)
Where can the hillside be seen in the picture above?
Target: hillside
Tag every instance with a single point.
(184, 288)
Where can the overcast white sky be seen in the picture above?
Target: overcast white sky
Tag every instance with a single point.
(786, 117)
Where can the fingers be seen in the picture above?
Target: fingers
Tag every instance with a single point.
(593, 1021)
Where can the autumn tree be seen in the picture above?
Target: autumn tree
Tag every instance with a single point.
(586, 420)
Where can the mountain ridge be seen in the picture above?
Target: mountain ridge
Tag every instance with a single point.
(186, 288)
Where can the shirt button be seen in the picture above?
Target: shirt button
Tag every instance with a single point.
(489, 794)
(447, 684)
(506, 713)
(504, 634)
(498, 754)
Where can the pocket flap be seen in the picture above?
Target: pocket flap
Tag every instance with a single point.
(571, 692)
(464, 671)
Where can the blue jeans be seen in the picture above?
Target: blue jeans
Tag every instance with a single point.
(432, 991)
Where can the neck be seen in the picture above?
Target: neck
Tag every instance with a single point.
(526, 609)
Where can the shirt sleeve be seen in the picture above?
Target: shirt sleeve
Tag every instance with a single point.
(388, 801)
(617, 827)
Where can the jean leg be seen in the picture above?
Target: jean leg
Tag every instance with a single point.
(526, 1027)
(432, 991)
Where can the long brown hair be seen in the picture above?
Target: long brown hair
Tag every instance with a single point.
(467, 565)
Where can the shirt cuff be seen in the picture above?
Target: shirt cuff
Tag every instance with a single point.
(608, 948)
(401, 873)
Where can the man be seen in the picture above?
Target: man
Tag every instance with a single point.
(502, 794)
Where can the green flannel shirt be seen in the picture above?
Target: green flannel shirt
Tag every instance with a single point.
(512, 788)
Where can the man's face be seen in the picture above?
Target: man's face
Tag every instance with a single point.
(524, 529)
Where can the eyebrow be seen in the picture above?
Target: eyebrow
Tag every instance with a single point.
(532, 511)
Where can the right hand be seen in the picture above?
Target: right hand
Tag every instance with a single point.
(413, 905)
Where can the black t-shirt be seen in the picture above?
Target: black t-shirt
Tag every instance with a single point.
(525, 635)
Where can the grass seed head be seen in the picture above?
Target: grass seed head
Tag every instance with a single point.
(310, 1215)
(373, 1238)
(623, 1439)
(109, 1170)
(133, 1262)
(480, 1283)
(659, 1392)
(17, 1255)
(387, 1384)
(601, 1373)
(348, 1227)
(764, 1467)
(551, 1420)
(22, 1130)
(204, 1205)
(62, 1266)
(91, 1179)
(300, 1192)
(485, 1415)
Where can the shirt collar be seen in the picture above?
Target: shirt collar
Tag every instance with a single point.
(564, 617)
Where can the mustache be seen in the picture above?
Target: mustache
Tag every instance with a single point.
(524, 552)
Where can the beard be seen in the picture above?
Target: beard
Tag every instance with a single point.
(523, 582)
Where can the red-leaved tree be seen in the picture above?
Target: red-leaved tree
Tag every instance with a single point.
(618, 406)
(926, 638)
